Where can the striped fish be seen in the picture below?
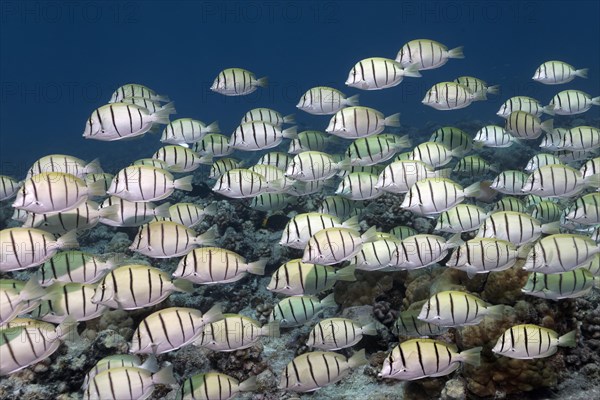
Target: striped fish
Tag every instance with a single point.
(136, 90)
(434, 154)
(556, 180)
(214, 386)
(116, 361)
(337, 206)
(376, 149)
(560, 253)
(552, 139)
(17, 298)
(474, 166)
(356, 122)
(213, 144)
(132, 214)
(453, 308)
(187, 130)
(461, 218)
(458, 141)
(152, 162)
(509, 203)
(525, 126)
(312, 371)
(494, 136)
(427, 54)
(566, 285)
(166, 239)
(571, 156)
(402, 232)
(539, 160)
(19, 215)
(75, 266)
(422, 250)
(546, 212)
(82, 217)
(400, 176)
(451, 96)
(309, 141)
(190, 214)
(295, 278)
(210, 265)
(127, 383)
(338, 333)
(313, 166)
(171, 328)
(8, 187)
(523, 103)
(117, 121)
(333, 245)
(69, 300)
(526, 342)
(422, 358)
(275, 177)
(517, 228)
(24, 342)
(557, 72)
(22, 248)
(509, 182)
(134, 286)
(104, 178)
(222, 165)
(151, 105)
(359, 186)
(240, 183)
(277, 159)
(297, 310)
(234, 332)
(378, 73)
(66, 164)
(55, 192)
(376, 255)
(571, 102)
(580, 138)
(268, 115)
(269, 202)
(259, 135)
(408, 324)
(180, 159)
(590, 168)
(141, 183)
(323, 100)
(237, 82)
(593, 263)
(585, 210)
(433, 195)
(477, 85)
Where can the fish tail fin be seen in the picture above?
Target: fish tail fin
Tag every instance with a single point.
(369, 329)
(412, 71)
(162, 210)
(262, 82)
(351, 223)
(110, 212)
(548, 125)
(67, 330)
(270, 330)
(164, 376)
(552, 228)
(184, 183)
(549, 109)
(207, 238)
(289, 119)
(443, 173)
(393, 120)
(523, 251)
(212, 128)
(359, 358)
(454, 241)
(249, 385)
(214, 314)
(568, 339)
(346, 274)
(258, 267)
(93, 167)
(494, 89)
(151, 364)
(162, 116)
(472, 356)
(496, 311)
(329, 301)
(456, 52)
(596, 101)
(290, 133)
(161, 98)
(183, 285)
(68, 240)
(582, 73)
(370, 235)
(352, 101)
(472, 190)
(96, 188)
(210, 209)
(32, 290)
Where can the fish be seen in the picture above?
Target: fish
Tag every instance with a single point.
(453, 308)
(526, 104)
(458, 141)
(171, 328)
(296, 278)
(590, 168)
(427, 54)
(240, 183)
(557, 73)
(135, 286)
(323, 100)
(52, 192)
(69, 300)
(221, 166)
(461, 218)
(446, 96)
(213, 144)
(75, 266)
(422, 358)
(8, 187)
(187, 130)
(376, 255)
(237, 82)
(422, 250)
(333, 245)
(24, 342)
(85, 216)
(557, 180)
(474, 166)
(259, 135)
(432, 196)
(400, 176)
(525, 126)
(376, 149)
(509, 182)
(580, 138)
(142, 183)
(211, 265)
(527, 342)
(517, 228)
(66, 164)
(22, 248)
(402, 232)
(477, 85)
(546, 212)
(270, 202)
(337, 206)
(482, 255)
(552, 139)
(434, 154)
(214, 386)
(190, 214)
(166, 239)
(312, 371)
(116, 361)
(572, 102)
(181, 159)
(585, 210)
(378, 73)
(566, 285)
(539, 160)
(359, 186)
(309, 141)
(358, 121)
(127, 383)
(297, 310)
(338, 333)
(136, 90)
(314, 165)
(277, 159)
(560, 253)
(18, 297)
(104, 178)
(234, 332)
(408, 324)
(132, 214)
(509, 203)
(151, 105)
(494, 136)
(268, 115)
(116, 121)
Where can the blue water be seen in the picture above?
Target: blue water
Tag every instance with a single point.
(61, 60)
